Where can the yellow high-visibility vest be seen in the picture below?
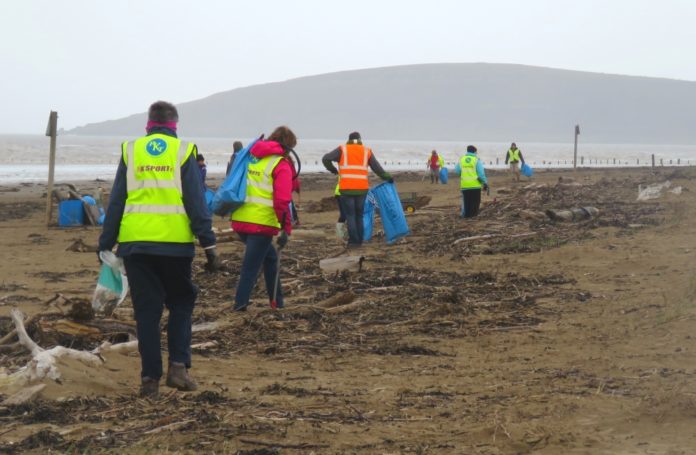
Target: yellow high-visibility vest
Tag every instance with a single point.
(469, 178)
(154, 210)
(258, 205)
(513, 155)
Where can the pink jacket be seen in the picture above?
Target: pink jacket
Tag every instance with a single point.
(282, 191)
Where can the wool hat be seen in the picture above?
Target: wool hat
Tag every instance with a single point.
(354, 136)
(471, 149)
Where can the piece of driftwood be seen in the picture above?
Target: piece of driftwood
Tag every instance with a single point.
(346, 308)
(118, 348)
(343, 298)
(351, 263)
(43, 362)
(490, 236)
(79, 246)
(574, 214)
(24, 395)
(12, 333)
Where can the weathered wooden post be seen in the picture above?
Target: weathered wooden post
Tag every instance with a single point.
(575, 148)
(51, 131)
(653, 160)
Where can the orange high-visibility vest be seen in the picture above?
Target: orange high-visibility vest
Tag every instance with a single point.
(352, 167)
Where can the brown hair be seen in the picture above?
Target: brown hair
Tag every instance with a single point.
(284, 136)
(162, 112)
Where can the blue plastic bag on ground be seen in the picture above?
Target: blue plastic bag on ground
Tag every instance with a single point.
(368, 216)
(232, 193)
(112, 285)
(527, 170)
(391, 211)
(444, 175)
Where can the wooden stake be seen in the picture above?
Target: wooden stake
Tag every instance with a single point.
(51, 131)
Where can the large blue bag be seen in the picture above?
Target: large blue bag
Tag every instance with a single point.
(368, 216)
(527, 170)
(391, 211)
(232, 193)
(444, 175)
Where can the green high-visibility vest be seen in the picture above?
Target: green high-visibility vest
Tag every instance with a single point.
(469, 178)
(154, 210)
(513, 155)
(258, 205)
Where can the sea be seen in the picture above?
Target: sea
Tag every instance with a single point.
(24, 158)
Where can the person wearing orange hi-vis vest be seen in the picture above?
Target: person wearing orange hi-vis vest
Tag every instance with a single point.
(354, 161)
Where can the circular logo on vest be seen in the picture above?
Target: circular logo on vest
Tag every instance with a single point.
(468, 160)
(156, 147)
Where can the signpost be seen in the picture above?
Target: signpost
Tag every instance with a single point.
(51, 131)
(575, 150)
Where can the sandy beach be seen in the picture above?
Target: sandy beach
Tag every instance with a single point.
(508, 334)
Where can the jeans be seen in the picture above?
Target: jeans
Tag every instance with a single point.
(353, 207)
(156, 282)
(259, 252)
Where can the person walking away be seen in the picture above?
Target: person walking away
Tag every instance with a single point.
(236, 147)
(353, 160)
(203, 169)
(434, 164)
(155, 211)
(265, 214)
(472, 180)
(514, 156)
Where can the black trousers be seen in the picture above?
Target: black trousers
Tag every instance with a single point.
(156, 282)
(471, 202)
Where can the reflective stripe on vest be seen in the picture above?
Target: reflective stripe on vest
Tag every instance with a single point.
(514, 155)
(258, 204)
(352, 167)
(154, 210)
(469, 177)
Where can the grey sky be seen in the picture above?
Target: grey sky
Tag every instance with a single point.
(93, 60)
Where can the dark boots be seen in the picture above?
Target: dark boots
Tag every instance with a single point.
(178, 378)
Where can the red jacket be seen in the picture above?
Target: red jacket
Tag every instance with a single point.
(434, 162)
(282, 191)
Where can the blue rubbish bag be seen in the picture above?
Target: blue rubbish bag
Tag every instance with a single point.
(232, 193)
(444, 175)
(527, 170)
(112, 285)
(368, 216)
(391, 211)
(209, 196)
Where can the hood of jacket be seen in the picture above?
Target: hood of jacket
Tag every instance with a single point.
(263, 149)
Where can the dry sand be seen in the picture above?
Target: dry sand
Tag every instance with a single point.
(577, 339)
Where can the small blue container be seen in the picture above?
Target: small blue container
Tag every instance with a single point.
(71, 213)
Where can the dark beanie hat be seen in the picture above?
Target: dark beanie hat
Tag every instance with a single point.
(354, 136)
(200, 157)
(237, 146)
(471, 149)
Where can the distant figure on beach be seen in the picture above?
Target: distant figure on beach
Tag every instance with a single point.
(236, 147)
(200, 159)
(514, 156)
(434, 164)
(155, 213)
(353, 160)
(472, 180)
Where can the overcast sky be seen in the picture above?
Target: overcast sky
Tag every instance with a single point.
(94, 60)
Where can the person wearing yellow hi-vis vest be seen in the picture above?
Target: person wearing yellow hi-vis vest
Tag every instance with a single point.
(156, 210)
(265, 214)
(472, 179)
(514, 157)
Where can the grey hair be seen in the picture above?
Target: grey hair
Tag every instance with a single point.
(162, 112)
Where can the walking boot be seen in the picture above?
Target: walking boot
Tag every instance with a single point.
(149, 388)
(178, 377)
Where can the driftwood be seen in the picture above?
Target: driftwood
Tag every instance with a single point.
(352, 263)
(12, 333)
(575, 214)
(346, 308)
(490, 236)
(24, 395)
(343, 298)
(43, 363)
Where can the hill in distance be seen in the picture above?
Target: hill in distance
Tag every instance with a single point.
(451, 101)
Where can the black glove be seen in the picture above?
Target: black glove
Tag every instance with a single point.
(282, 240)
(213, 264)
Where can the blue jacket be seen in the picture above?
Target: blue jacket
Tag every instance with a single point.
(194, 203)
(480, 170)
